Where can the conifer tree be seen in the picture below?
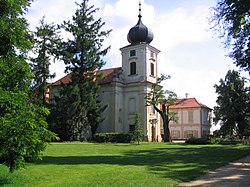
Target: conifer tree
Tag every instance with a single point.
(46, 39)
(82, 56)
(138, 132)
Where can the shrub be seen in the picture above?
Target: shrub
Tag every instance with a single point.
(202, 140)
(226, 141)
(216, 140)
(113, 137)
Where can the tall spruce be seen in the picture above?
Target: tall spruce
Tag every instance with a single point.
(233, 105)
(46, 39)
(23, 129)
(82, 56)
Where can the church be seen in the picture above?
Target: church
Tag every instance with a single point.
(124, 89)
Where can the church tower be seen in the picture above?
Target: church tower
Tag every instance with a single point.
(139, 66)
(139, 59)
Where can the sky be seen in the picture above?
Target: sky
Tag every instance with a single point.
(191, 53)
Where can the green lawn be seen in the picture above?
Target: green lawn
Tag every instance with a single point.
(148, 164)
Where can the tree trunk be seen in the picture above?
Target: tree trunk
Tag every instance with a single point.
(93, 131)
(165, 120)
(166, 129)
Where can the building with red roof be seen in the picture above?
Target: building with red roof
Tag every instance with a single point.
(124, 89)
(194, 119)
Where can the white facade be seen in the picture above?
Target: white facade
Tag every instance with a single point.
(125, 95)
(194, 119)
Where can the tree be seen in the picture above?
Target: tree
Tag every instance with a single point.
(82, 57)
(138, 132)
(157, 97)
(94, 117)
(46, 39)
(23, 129)
(233, 108)
(231, 19)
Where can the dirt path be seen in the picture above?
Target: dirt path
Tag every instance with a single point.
(235, 174)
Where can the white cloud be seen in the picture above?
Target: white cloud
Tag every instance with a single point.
(188, 52)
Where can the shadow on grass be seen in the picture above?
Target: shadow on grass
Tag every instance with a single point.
(182, 164)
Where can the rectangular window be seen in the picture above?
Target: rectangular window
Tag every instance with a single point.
(132, 53)
(152, 69)
(132, 68)
(190, 117)
(175, 134)
(188, 134)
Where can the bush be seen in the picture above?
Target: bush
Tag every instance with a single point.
(216, 140)
(226, 141)
(202, 140)
(209, 140)
(113, 137)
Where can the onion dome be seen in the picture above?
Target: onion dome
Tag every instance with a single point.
(140, 33)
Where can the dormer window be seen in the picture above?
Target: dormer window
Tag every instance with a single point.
(132, 68)
(132, 53)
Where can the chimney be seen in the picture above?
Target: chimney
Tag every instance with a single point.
(186, 94)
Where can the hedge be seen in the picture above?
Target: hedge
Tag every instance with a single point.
(113, 137)
(203, 140)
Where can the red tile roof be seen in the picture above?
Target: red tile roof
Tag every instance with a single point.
(188, 103)
(108, 75)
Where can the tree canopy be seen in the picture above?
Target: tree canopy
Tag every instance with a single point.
(46, 39)
(231, 18)
(23, 129)
(233, 102)
(161, 100)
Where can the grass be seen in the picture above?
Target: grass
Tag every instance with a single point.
(148, 164)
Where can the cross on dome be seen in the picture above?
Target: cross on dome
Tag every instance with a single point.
(140, 33)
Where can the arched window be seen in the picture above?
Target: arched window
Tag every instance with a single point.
(132, 68)
(152, 69)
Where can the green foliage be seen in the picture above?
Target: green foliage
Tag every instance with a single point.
(213, 140)
(157, 96)
(23, 129)
(68, 117)
(23, 132)
(15, 74)
(201, 141)
(94, 117)
(138, 133)
(225, 141)
(231, 20)
(78, 103)
(46, 39)
(14, 35)
(233, 108)
(113, 137)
